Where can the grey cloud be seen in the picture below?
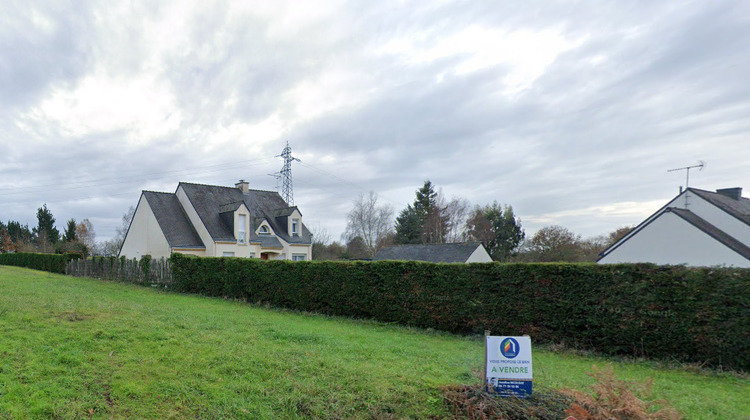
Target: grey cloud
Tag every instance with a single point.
(34, 58)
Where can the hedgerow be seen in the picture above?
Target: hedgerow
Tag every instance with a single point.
(697, 315)
(54, 263)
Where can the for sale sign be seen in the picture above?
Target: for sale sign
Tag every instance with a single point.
(508, 370)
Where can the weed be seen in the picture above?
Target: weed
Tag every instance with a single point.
(615, 399)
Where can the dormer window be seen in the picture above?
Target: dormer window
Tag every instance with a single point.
(241, 235)
(295, 227)
(264, 230)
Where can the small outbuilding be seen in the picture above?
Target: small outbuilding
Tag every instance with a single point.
(467, 252)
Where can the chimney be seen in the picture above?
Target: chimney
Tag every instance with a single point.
(243, 186)
(733, 193)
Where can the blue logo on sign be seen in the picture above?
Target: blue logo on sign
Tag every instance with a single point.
(509, 348)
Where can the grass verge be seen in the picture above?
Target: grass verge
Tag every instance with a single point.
(80, 348)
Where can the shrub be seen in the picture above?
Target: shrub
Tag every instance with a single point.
(665, 312)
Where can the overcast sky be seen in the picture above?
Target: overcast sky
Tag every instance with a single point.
(572, 112)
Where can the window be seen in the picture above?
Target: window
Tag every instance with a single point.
(241, 237)
(227, 254)
(252, 255)
(299, 257)
(295, 226)
(263, 230)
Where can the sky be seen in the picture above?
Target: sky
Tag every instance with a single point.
(571, 112)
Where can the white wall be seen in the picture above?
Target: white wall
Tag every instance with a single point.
(714, 215)
(145, 235)
(479, 255)
(299, 249)
(669, 239)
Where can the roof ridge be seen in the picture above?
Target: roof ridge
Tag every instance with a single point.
(156, 192)
(220, 186)
(443, 244)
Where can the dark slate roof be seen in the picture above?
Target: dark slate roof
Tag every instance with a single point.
(210, 200)
(172, 220)
(737, 208)
(266, 241)
(285, 212)
(437, 253)
(711, 230)
(230, 207)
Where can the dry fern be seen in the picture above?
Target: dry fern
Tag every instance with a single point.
(615, 399)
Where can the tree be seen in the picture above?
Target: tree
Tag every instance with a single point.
(497, 228)
(6, 243)
(618, 234)
(456, 213)
(431, 206)
(70, 231)
(425, 221)
(369, 221)
(356, 249)
(409, 226)
(321, 250)
(85, 234)
(46, 234)
(113, 246)
(20, 235)
(554, 244)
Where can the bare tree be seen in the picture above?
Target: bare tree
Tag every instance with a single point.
(369, 221)
(320, 235)
(457, 211)
(113, 246)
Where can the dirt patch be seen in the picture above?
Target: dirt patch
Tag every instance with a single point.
(72, 316)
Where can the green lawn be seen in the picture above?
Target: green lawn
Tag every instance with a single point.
(70, 348)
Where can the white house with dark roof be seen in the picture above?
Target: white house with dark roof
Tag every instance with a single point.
(696, 228)
(216, 221)
(469, 252)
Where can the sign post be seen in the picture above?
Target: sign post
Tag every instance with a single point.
(508, 366)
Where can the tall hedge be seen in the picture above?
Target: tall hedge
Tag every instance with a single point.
(666, 312)
(54, 263)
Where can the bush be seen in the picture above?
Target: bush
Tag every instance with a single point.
(54, 263)
(664, 312)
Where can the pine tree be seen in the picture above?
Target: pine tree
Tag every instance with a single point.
(45, 233)
(70, 231)
(424, 222)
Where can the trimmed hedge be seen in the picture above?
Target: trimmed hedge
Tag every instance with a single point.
(54, 263)
(697, 315)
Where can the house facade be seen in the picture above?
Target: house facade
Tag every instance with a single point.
(696, 228)
(437, 253)
(217, 221)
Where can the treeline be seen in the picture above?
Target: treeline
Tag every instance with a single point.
(45, 238)
(434, 219)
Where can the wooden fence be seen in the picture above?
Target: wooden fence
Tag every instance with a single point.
(152, 272)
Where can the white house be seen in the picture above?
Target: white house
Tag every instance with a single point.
(216, 221)
(696, 228)
(438, 253)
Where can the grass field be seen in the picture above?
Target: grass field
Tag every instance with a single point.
(80, 348)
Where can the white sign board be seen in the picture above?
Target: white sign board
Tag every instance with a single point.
(508, 370)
